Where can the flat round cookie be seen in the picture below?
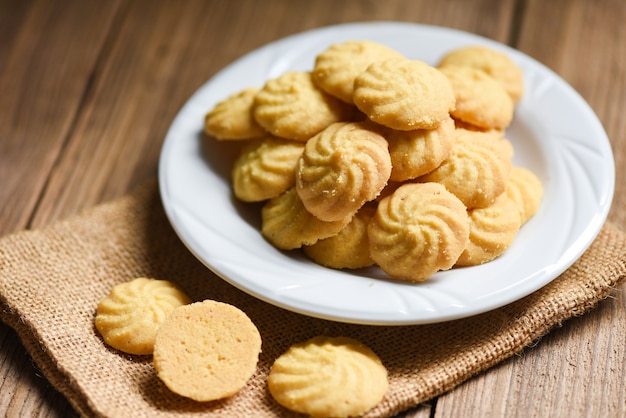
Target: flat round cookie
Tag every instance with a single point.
(336, 68)
(418, 230)
(291, 106)
(206, 350)
(328, 377)
(129, 316)
(403, 94)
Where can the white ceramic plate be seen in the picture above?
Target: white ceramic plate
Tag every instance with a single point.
(554, 133)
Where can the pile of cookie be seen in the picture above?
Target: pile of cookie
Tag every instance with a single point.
(372, 158)
(209, 350)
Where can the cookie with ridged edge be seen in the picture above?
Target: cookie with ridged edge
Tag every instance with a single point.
(130, 315)
(493, 62)
(418, 152)
(206, 350)
(349, 249)
(336, 67)
(265, 168)
(418, 230)
(232, 119)
(292, 106)
(525, 188)
(492, 231)
(478, 168)
(480, 99)
(287, 225)
(328, 377)
(404, 94)
(341, 168)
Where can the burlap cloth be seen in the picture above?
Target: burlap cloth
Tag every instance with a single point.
(52, 279)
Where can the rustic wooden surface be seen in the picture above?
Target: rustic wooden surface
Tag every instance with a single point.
(88, 89)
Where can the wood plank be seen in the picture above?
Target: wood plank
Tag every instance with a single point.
(578, 369)
(46, 63)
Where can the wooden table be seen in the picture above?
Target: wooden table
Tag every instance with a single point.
(89, 88)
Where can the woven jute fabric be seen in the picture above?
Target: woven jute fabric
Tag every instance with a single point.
(52, 279)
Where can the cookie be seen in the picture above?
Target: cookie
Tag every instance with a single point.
(492, 231)
(129, 316)
(349, 249)
(417, 231)
(265, 168)
(341, 168)
(206, 350)
(328, 377)
(287, 225)
(291, 106)
(336, 67)
(477, 170)
(495, 63)
(404, 94)
(418, 152)
(525, 188)
(232, 119)
(480, 99)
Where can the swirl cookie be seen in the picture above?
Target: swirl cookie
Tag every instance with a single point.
(477, 170)
(349, 249)
(404, 94)
(328, 377)
(525, 188)
(232, 119)
(418, 230)
(266, 168)
(206, 350)
(293, 107)
(495, 63)
(492, 231)
(418, 152)
(336, 68)
(480, 99)
(129, 316)
(342, 167)
(286, 223)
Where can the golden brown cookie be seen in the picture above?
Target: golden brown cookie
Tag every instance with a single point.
(328, 377)
(418, 230)
(525, 188)
(266, 168)
(480, 99)
(336, 67)
(418, 152)
(349, 249)
(477, 170)
(206, 350)
(287, 225)
(129, 316)
(232, 119)
(291, 106)
(492, 231)
(342, 167)
(404, 94)
(495, 63)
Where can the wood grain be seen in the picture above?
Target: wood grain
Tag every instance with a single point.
(89, 88)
